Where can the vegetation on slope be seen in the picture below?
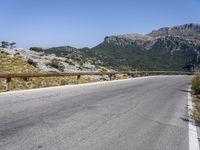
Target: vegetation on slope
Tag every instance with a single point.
(56, 63)
(37, 49)
(118, 57)
(131, 57)
(196, 97)
(61, 51)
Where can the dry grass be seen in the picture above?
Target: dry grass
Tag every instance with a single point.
(122, 76)
(195, 114)
(196, 83)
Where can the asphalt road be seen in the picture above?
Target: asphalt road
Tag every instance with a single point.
(137, 114)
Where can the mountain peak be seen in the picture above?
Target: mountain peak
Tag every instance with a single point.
(130, 36)
(190, 31)
(129, 39)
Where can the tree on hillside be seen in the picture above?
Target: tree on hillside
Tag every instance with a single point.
(12, 45)
(4, 44)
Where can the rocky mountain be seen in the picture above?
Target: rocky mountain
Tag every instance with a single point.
(189, 31)
(169, 48)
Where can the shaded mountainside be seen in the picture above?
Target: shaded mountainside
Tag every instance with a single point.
(175, 48)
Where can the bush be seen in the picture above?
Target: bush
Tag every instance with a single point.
(67, 58)
(37, 49)
(5, 44)
(31, 62)
(17, 54)
(55, 63)
(196, 83)
(79, 60)
(5, 53)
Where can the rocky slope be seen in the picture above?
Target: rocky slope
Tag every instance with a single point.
(51, 62)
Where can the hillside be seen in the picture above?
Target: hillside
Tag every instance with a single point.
(168, 48)
(53, 62)
(18, 61)
(164, 53)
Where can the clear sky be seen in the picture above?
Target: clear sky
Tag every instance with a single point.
(85, 23)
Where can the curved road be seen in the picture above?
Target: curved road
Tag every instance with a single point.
(136, 114)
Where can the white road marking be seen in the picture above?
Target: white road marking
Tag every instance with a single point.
(193, 137)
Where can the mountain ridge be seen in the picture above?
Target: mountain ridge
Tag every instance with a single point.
(168, 48)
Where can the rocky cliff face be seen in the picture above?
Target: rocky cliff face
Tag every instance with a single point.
(188, 31)
(131, 39)
(187, 34)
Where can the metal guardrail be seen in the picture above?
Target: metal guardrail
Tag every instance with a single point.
(9, 76)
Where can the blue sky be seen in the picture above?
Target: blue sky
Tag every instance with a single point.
(85, 23)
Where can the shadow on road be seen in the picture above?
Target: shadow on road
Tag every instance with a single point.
(183, 90)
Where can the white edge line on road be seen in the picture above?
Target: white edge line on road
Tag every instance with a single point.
(193, 137)
(78, 85)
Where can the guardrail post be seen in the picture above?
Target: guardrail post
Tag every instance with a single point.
(110, 76)
(78, 77)
(8, 84)
(131, 75)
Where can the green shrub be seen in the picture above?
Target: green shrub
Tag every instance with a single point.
(37, 49)
(17, 54)
(67, 58)
(196, 83)
(3, 52)
(31, 62)
(79, 60)
(55, 63)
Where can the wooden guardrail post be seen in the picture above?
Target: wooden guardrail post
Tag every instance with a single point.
(131, 75)
(8, 84)
(110, 76)
(78, 77)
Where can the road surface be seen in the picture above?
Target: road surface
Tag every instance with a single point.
(136, 114)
